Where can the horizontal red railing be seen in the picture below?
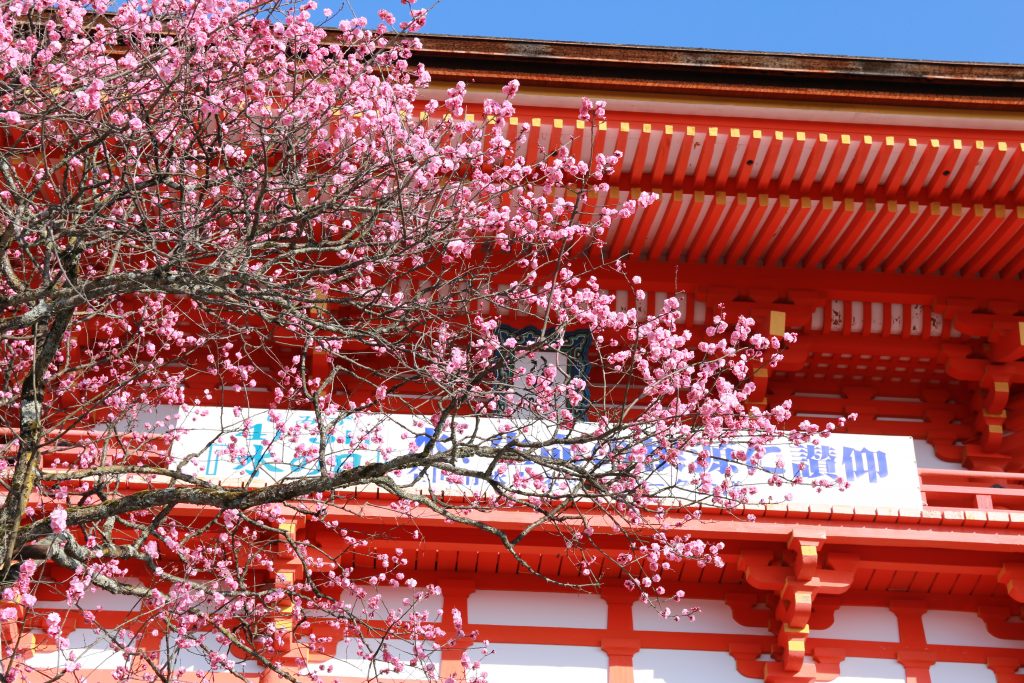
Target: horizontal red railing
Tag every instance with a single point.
(972, 490)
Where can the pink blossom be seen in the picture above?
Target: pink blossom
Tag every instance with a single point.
(511, 88)
(59, 520)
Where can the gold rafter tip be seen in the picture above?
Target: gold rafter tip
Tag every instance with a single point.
(890, 140)
(557, 123)
(822, 137)
(734, 132)
(602, 125)
(669, 129)
(624, 126)
(801, 136)
(756, 134)
(868, 139)
(646, 128)
(713, 131)
(958, 144)
(691, 130)
(535, 122)
(845, 139)
(1002, 146)
(779, 135)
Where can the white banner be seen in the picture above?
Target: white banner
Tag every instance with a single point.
(257, 447)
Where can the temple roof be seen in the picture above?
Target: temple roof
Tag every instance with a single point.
(671, 69)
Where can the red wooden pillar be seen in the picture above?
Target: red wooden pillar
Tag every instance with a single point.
(620, 659)
(917, 665)
(913, 656)
(1005, 669)
(456, 596)
(620, 650)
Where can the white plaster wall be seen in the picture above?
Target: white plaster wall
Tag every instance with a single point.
(402, 601)
(89, 650)
(517, 663)
(714, 617)
(853, 622)
(942, 627)
(97, 600)
(867, 670)
(347, 662)
(685, 666)
(956, 672)
(926, 458)
(198, 661)
(525, 608)
(93, 653)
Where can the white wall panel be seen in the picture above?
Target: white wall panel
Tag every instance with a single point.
(942, 627)
(714, 617)
(685, 666)
(926, 457)
(867, 670)
(402, 601)
(525, 608)
(197, 659)
(517, 663)
(96, 600)
(348, 662)
(89, 650)
(854, 622)
(956, 672)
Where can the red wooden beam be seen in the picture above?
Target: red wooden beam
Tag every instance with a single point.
(735, 222)
(725, 162)
(708, 226)
(961, 233)
(743, 238)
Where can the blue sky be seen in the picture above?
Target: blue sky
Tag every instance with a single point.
(960, 30)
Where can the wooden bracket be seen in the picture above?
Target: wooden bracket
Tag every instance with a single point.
(1012, 576)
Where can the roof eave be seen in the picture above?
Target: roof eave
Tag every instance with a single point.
(699, 71)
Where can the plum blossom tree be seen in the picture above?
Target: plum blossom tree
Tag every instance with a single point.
(221, 203)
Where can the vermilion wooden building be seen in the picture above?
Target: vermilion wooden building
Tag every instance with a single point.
(875, 207)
